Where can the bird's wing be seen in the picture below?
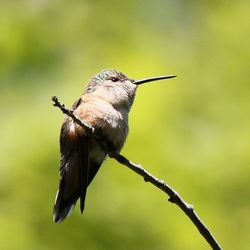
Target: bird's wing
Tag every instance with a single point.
(74, 169)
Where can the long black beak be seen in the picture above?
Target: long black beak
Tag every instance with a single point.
(139, 82)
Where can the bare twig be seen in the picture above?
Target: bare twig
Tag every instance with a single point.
(174, 197)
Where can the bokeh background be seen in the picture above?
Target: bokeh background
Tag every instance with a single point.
(192, 131)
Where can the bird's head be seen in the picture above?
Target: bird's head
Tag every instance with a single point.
(117, 86)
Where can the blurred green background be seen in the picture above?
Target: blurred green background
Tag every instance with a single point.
(192, 131)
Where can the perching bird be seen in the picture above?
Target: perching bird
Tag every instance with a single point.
(104, 105)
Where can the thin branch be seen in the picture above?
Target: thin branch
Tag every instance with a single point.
(69, 113)
(174, 197)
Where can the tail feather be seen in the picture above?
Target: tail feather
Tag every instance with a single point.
(73, 183)
(61, 212)
(83, 159)
(64, 203)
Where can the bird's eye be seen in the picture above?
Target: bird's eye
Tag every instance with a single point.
(114, 79)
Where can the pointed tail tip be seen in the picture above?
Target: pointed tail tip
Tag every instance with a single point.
(57, 219)
(60, 215)
(82, 204)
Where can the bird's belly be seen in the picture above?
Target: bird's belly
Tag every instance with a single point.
(115, 128)
(96, 152)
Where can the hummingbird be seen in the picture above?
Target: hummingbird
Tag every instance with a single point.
(104, 105)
